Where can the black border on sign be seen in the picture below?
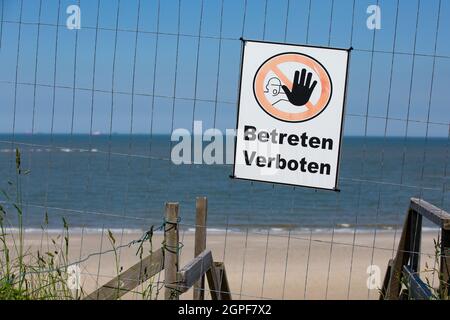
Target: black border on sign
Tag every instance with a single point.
(344, 104)
(301, 54)
(238, 106)
(233, 176)
(296, 44)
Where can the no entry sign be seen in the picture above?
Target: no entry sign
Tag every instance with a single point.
(291, 106)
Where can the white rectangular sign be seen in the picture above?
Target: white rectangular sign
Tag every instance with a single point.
(290, 115)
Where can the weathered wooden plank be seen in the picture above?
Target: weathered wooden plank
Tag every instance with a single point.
(417, 289)
(171, 241)
(223, 281)
(194, 270)
(200, 242)
(431, 212)
(213, 283)
(131, 278)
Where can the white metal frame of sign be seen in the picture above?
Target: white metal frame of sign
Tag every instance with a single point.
(290, 114)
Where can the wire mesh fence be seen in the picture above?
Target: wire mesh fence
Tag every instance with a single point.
(92, 90)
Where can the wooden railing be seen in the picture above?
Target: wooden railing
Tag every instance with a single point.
(176, 281)
(404, 268)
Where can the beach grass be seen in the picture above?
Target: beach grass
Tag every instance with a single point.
(44, 272)
(24, 274)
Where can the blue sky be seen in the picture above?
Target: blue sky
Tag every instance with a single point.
(43, 108)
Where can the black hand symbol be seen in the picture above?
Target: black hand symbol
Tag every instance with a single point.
(301, 91)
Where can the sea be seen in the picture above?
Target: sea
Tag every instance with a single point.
(122, 182)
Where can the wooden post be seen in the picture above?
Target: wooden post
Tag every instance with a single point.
(416, 237)
(171, 242)
(387, 278)
(409, 252)
(223, 281)
(401, 258)
(213, 283)
(201, 206)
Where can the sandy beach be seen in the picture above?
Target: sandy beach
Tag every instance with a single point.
(321, 266)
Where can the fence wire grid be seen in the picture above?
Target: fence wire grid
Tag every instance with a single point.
(91, 108)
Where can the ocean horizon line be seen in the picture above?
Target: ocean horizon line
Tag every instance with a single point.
(219, 231)
(137, 134)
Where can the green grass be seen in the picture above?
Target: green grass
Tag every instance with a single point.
(23, 274)
(43, 274)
